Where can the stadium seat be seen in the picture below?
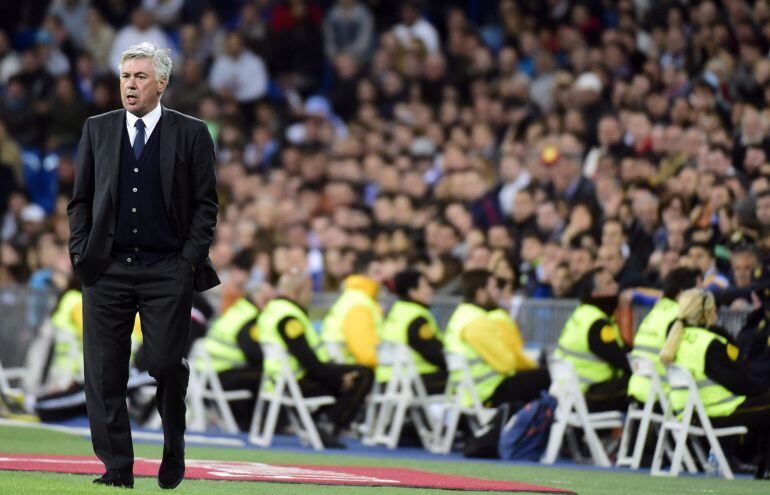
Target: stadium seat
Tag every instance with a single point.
(680, 425)
(572, 411)
(283, 390)
(404, 392)
(458, 385)
(205, 385)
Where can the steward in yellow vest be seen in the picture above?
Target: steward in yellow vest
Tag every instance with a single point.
(284, 322)
(411, 323)
(653, 330)
(590, 340)
(354, 322)
(473, 333)
(731, 394)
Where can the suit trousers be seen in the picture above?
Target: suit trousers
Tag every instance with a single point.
(161, 292)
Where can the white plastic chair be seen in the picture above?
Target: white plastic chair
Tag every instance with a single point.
(459, 384)
(283, 390)
(572, 410)
(205, 385)
(681, 427)
(403, 393)
(8, 375)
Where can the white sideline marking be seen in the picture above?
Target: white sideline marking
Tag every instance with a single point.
(137, 435)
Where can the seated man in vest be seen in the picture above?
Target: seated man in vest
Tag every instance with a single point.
(652, 331)
(472, 333)
(410, 322)
(284, 321)
(351, 328)
(731, 393)
(591, 341)
(232, 344)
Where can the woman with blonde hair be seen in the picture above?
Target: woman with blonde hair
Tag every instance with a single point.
(731, 395)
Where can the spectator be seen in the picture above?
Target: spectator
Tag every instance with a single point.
(99, 37)
(74, 14)
(348, 29)
(10, 63)
(140, 30)
(297, 43)
(414, 31)
(239, 73)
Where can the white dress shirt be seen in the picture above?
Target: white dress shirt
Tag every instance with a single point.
(150, 121)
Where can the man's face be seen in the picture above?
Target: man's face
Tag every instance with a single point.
(612, 234)
(763, 211)
(743, 265)
(604, 285)
(579, 263)
(423, 293)
(700, 258)
(609, 258)
(140, 89)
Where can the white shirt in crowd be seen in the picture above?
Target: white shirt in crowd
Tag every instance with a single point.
(244, 76)
(421, 30)
(130, 36)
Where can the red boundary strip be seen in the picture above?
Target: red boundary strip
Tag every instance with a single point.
(254, 471)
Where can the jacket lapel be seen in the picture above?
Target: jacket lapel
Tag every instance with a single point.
(115, 135)
(167, 154)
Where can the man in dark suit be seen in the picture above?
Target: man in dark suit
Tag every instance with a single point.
(142, 218)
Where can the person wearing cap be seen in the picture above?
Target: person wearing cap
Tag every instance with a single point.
(652, 332)
(475, 332)
(233, 346)
(284, 321)
(731, 393)
(590, 340)
(352, 325)
(411, 322)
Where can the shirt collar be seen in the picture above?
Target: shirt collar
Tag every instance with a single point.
(150, 119)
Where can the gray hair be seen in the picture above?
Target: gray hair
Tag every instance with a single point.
(161, 58)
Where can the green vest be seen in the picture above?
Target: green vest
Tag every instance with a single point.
(485, 376)
(71, 335)
(221, 341)
(396, 330)
(691, 354)
(275, 311)
(573, 346)
(331, 331)
(648, 341)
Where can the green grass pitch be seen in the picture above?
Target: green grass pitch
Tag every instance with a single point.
(584, 482)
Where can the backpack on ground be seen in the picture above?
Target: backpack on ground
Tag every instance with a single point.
(525, 435)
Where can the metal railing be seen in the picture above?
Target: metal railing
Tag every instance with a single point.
(22, 310)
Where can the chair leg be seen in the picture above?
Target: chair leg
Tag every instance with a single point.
(444, 443)
(641, 435)
(625, 439)
(681, 442)
(556, 435)
(660, 446)
(222, 405)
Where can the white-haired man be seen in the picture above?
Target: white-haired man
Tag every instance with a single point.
(142, 218)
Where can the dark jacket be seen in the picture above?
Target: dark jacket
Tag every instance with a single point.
(187, 180)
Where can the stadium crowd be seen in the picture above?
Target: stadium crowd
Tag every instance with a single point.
(561, 149)
(535, 139)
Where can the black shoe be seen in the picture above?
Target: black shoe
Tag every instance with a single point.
(171, 471)
(117, 479)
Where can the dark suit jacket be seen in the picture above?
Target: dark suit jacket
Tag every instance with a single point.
(188, 183)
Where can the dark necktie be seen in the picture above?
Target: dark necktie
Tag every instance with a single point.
(139, 139)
